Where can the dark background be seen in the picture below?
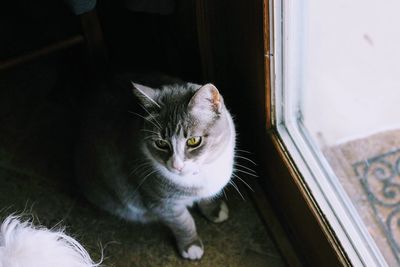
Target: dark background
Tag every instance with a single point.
(193, 43)
(44, 95)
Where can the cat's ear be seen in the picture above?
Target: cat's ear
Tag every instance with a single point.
(147, 95)
(207, 98)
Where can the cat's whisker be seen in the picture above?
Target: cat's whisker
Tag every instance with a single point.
(144, 179)
(223, 191)
(151, 137)
(143, 117)
(244, 151)
(248, 173)
(149, 131)
(137, 161)
(247, 168)
(245, 158)
(151, 115)
(237, 189)
(243, 181)
(144, 164)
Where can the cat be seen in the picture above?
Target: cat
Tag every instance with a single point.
(149, 152)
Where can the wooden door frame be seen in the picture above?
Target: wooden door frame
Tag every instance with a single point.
(317, 241)
(298, 212)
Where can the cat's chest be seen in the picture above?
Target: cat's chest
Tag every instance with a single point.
(213, 177)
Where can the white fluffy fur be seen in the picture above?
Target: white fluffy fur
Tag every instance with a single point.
(24, 245)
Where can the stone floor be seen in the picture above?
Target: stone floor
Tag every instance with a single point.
(38, 125)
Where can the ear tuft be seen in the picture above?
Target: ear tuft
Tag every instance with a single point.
(207, 97)
(147, 95)
(216, 97)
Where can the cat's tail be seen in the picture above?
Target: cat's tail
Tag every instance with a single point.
(24, 245)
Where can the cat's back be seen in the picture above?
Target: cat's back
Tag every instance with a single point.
(107, 131)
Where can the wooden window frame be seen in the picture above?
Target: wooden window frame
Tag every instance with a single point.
(317, 182)
(302, 215)
(314, 235)
(304, 222)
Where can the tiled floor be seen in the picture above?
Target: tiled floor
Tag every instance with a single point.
(38, 124)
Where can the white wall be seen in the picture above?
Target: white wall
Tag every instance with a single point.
(351, 75)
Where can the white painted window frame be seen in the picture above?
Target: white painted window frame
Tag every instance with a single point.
(286, 44)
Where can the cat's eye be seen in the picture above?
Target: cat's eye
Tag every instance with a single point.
(194, 141)
(161, 144)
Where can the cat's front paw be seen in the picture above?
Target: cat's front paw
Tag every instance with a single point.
(193, 251)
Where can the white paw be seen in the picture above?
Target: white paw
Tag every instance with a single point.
(194, 252)
(223, 214)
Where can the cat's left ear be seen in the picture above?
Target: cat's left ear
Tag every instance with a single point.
(207, 98)
(147, 95)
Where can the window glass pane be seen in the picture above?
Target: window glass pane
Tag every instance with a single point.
(350, 105)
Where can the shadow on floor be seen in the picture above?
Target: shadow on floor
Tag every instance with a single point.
(38, 125)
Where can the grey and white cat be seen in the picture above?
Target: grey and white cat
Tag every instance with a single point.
(152, 160)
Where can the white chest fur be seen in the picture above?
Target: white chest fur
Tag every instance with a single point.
(216, 175)
(212, 177)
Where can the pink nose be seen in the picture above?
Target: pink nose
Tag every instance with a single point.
(177, 165)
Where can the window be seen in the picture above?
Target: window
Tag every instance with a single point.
(335, 82)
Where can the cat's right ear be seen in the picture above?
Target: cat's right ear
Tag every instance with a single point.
(147, 95)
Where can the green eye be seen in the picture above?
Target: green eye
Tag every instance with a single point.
(161, 144)
(194, 141)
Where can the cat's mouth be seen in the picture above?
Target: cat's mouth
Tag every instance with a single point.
(183, 172)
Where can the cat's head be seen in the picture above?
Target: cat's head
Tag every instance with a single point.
(186, 126)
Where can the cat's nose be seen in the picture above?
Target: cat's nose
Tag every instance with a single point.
(177, 164)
